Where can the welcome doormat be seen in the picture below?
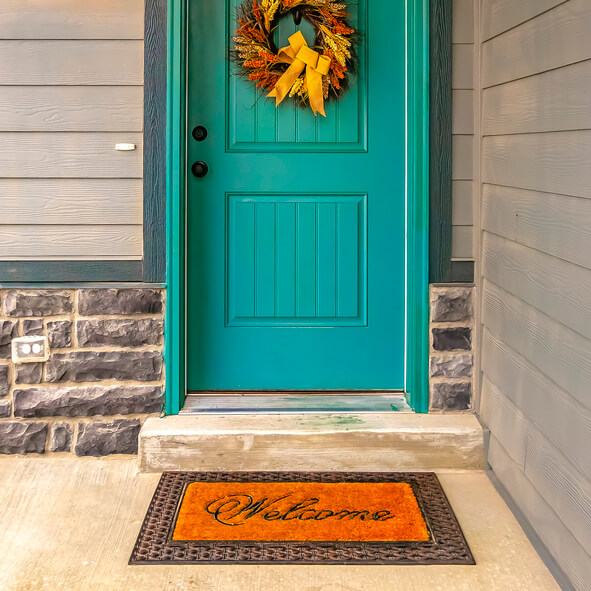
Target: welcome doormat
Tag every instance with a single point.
(300, 518)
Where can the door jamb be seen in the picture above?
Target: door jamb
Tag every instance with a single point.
(417, 205)
(175, 341)
(417, 215)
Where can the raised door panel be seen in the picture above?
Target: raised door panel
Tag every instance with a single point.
(296, 260)
(255, 125)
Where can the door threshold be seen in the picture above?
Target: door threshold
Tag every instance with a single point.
(276, 403)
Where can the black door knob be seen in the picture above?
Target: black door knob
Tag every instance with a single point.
(199, 133)
(199, 169)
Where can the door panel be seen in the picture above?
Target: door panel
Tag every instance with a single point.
(296, 260)
(254, 124)
(296, 236)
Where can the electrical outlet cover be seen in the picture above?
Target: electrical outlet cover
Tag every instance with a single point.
(30, 349)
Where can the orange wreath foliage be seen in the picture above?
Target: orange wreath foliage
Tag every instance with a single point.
(256, 53)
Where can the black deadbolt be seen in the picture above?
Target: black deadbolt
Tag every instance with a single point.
(199, 169)
(199, 133)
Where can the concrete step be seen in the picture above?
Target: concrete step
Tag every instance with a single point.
(312, 442)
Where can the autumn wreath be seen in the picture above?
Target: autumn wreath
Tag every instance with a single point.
(312, 74)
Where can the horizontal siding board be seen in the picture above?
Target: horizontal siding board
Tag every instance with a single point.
(463, 67)
(566, 490)
(71, 19)
(553, 286)
(71, 62)
(552, 162)
(505, 420)
(500, 15)
(75, 242)
(554, 224)
(552, 40)
(561, 354)
(463, 21)
(71, 201)
(462, 155)
(571, 556)
(559, 100)
(71, 108)
(463, 112)
(462, 199)
(462, 240)
(69, 155)
(548, 407)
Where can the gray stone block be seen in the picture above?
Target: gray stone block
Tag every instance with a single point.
(451, 305)
(451, 339)
(456, 366)
(93, 366)
(103, 439)
(28, 373)
(37, 302)
(8, 331)
(32, 328)
(59, 333)
(22, 437)
(450, 396)
(124, 332)
(72, 401)
(5, 409)
(93, 302)
(4, 382)
(60, 437)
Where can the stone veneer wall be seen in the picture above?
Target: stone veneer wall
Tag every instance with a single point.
(105, 373)
(103, 378)
(451, 359)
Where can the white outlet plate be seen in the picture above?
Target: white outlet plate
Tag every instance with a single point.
(30, 349)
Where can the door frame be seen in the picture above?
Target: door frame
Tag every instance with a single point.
(417, 206)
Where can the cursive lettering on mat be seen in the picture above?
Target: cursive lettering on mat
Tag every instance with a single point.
(233, 510)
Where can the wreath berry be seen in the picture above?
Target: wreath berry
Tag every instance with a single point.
(312, 74)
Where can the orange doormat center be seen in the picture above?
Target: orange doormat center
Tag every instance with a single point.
(300, 511)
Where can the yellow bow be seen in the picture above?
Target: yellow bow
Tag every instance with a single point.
(300, 56)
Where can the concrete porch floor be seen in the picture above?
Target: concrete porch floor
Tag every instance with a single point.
(70, 525)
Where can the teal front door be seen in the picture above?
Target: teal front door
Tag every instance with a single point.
(296, 234)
